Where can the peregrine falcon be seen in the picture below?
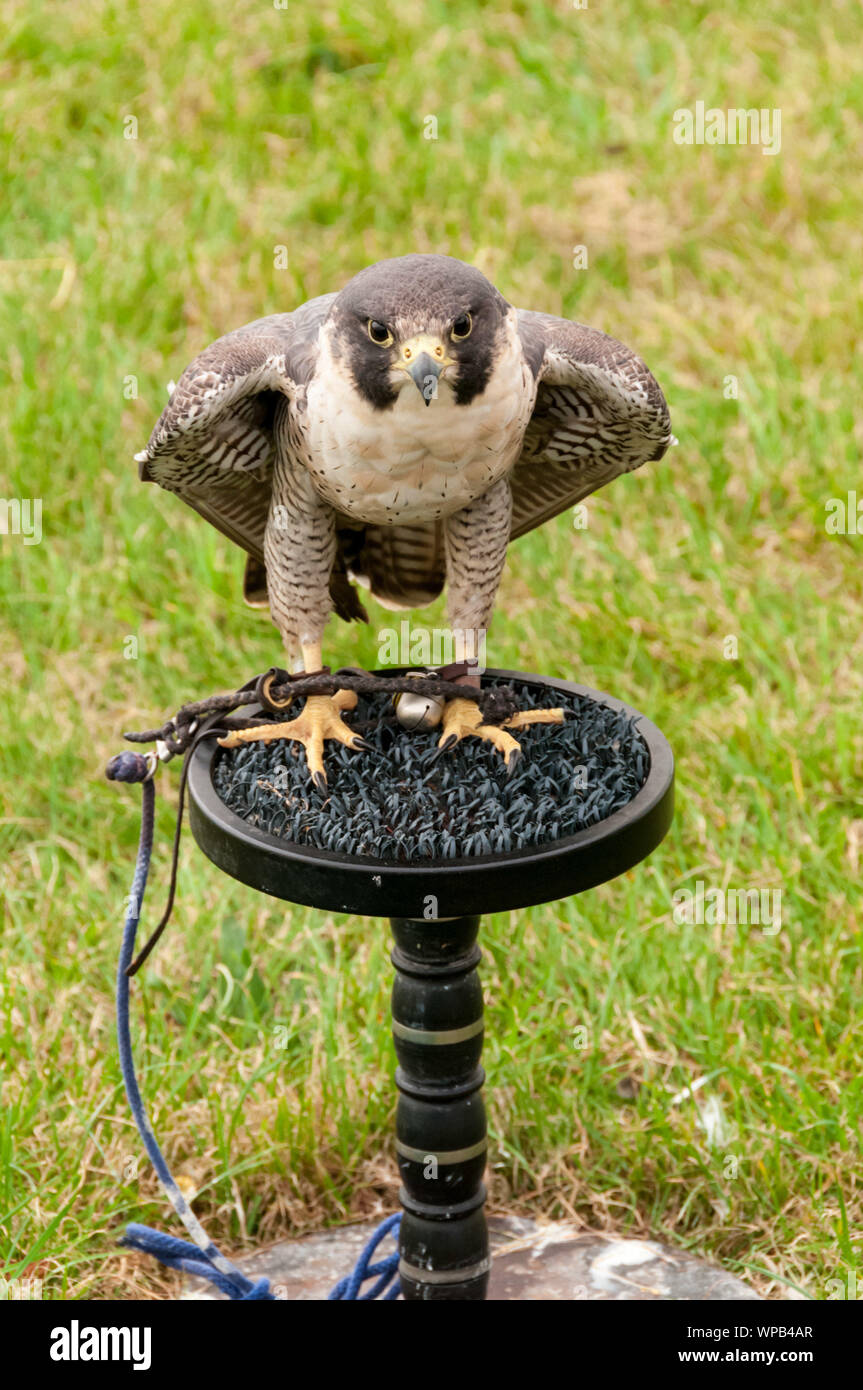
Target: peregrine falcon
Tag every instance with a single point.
(398, 433)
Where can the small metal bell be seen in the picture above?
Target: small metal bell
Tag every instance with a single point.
(416, 711)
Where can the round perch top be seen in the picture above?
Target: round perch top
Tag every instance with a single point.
(403, 830)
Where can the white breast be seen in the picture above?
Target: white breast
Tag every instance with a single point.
(414, 462)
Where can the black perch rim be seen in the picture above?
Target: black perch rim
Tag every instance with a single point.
(339, 882)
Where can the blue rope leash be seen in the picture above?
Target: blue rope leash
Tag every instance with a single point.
(212, 1263)
(181, 1254)
(387, 1269)
(201, 1258)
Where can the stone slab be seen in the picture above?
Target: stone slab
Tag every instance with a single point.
(531, 1262)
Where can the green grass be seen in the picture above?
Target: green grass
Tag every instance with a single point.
(258, 128)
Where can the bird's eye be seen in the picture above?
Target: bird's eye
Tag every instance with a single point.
(462, 326)
(379, 333)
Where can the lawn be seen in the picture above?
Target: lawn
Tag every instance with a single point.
(157, 157)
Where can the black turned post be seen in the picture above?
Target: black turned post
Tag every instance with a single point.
(440, 1120)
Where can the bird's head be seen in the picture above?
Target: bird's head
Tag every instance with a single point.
(422, 323)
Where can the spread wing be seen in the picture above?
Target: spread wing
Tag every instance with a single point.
(213, 443)
(598, 413)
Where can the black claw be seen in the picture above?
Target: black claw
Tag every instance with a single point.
(362, 745)
(444, 748)
(439, 752)
(513, 761)
(320, 781)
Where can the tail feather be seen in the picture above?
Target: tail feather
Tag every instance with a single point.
(402, 567)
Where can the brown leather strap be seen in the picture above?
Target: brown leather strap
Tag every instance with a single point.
(457, 669)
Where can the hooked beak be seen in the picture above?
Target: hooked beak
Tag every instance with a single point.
(424, 359)
(426, 373)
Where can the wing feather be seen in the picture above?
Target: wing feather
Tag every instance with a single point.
(598, 413)
(213, 443)
(403, 566)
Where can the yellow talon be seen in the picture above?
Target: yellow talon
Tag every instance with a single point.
(462, 719)
(320, 719)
